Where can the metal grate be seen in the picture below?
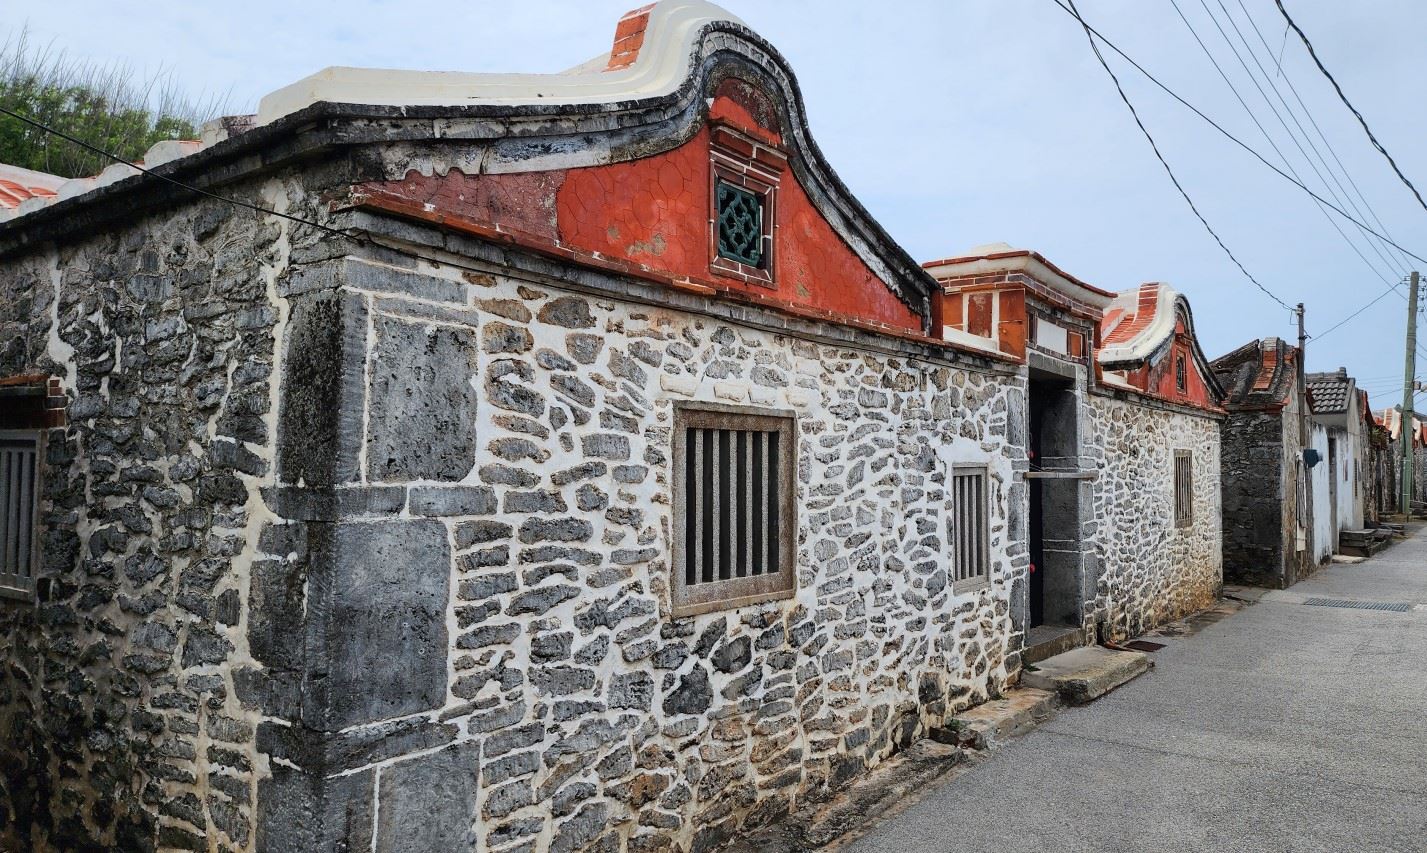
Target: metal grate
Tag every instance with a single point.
(740, 224)
(733, 503)
(967, 527)
(1183, 488)
(19, 480)
(1393, 606)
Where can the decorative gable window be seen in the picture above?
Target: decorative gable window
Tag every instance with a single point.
(744, 196)
(1183, 488)
(19, 509)
(968, 528)
(734, 516)
(1179, 377)
(740, 224)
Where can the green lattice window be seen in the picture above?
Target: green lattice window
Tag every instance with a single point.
(740, 224)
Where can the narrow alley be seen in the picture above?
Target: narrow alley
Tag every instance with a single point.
(1286, 726)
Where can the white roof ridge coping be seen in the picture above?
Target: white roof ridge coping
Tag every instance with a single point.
(1149, 339)
(1025, 261)
(661, 66)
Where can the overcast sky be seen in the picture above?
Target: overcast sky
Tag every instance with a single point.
(961, 123)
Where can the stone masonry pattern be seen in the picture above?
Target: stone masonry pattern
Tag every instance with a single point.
(122, 726)
(1151, 571)
(515, 440)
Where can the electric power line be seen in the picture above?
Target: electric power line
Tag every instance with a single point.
(117, 159)
(1232, 138)
(1349, 104)
(1309, 114)
(1169, 171)
(1264, 131)
(1392, 288)
(1292, 115)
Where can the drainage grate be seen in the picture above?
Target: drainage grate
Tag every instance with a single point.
(1394, 606)
(1144, 646)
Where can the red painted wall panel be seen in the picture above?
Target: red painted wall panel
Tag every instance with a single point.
(656, 212)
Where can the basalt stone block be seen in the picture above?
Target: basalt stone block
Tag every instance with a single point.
(452, 500)
(320, 412)
(429, 803)
(300, 810)
(377, 600)
(423, 404)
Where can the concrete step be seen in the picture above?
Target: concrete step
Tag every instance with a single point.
(993, 723)
(1087, 673)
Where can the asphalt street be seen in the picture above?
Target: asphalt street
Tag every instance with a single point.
(1284, 727)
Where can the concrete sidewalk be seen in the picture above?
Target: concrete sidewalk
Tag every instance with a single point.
(1285, 727)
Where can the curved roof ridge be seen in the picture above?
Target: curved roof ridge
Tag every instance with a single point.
(653, 52)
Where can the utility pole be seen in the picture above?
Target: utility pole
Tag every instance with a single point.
(1302, 381)
(1408, 377)
(1305, 509)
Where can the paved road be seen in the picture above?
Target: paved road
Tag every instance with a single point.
(1284, 727)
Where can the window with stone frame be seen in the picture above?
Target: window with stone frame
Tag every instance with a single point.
(1180, 380)
(735, 520)
(743, 200)
(968, 528)
(1183, 488)
(20, 463)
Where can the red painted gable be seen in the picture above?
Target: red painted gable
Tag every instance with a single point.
(655, 212)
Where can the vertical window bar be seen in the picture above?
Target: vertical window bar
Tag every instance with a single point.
(706, 518)
(745, 443)
(756, 543)
(8, 485)
(983, 559)
(770, 522)
(697, 546)
(27, 513)
(691, 506)
(716, 454)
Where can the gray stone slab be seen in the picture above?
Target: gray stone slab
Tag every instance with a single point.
(429, 803)
(422, 416)
(377, 605)
(1087, 673)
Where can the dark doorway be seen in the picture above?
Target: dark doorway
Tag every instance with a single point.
(1054, 586)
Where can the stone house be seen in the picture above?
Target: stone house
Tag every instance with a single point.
(1337, 417)
(1123, 431)
(557, 462)
(1266, 487)
(1391, 422)
(545, 462)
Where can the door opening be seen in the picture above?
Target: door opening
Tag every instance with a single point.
(1054, 587)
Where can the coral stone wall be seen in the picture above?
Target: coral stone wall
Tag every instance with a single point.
(1152, 572)
(507, 445)
(121, 723)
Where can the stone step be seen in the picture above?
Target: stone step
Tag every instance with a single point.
(1087, 673)
(1045, 641)
(993, 723)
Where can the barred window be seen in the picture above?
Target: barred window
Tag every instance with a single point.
(19, 502)
(1183, 488)
(734, 516)
(968, 529)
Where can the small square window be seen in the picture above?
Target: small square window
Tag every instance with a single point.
(968, 529)
(1183, 488)
(740, 225)
(734, 517)
(743, 203)
(19, 509)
